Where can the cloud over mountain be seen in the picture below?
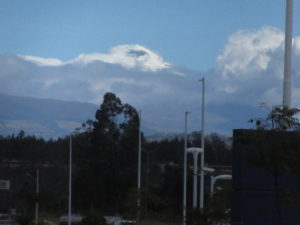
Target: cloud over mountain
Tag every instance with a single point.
(248, 71)
(250, 68)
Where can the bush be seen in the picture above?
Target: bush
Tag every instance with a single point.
(93, 218)
(24, 219)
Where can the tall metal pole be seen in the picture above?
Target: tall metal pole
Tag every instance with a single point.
(70, 183)
(201, 200)
(37, 195)
(288, 54)
(195, 179)
(139, 171)
(184, 170)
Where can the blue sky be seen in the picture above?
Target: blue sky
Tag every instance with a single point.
(187, 33)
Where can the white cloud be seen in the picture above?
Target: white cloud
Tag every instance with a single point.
(42, 61)
(248, 51)
(250, 68)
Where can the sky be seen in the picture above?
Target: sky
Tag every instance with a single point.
(186, 33)
(151, 54)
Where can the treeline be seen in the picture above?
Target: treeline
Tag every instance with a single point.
(105, 153)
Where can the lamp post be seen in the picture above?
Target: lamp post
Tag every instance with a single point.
(201, 196)
(184, 170)
(139, 171)
(70, 183)
(37, 195)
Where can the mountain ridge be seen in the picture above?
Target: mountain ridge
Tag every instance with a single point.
(51, 118)
(42, 117)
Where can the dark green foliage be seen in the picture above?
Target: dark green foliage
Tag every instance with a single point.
(93, 218)
(220, 205)
(217, 151)
(106, 161)
(24, 219)
(199, 217)
(216, 210)
(152, 205)
(279, 118)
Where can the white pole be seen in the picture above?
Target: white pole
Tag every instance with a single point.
(139, 170)
(288, 54)
(211, 186)
(184, 170)
(37, 195)
(201, 200)
(70, 183)
(195, 180)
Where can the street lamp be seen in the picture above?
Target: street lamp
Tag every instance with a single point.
(70, 183)
(139, 171)
(37, 195)
(201, 197)
(184, 170)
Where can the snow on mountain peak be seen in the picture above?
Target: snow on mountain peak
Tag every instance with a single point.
(128, 56)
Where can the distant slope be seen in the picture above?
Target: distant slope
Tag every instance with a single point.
(50, 118)
(42, 117)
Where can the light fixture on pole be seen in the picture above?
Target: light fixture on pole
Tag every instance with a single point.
(201, 196)
(70, 183)
(37, 195)
(139, 171)
(184, 170)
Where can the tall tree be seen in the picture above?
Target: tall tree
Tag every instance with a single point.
(107, 167)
